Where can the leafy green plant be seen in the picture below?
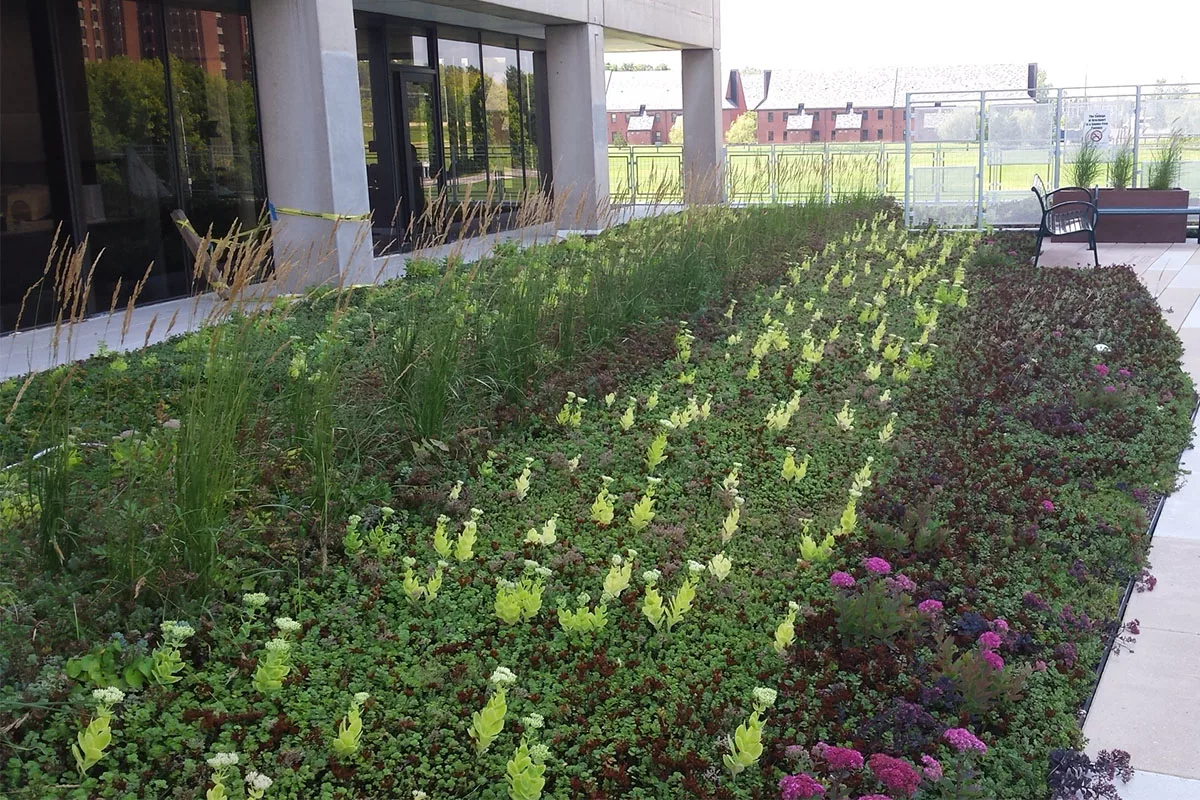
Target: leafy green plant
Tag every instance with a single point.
(92, 741)
(1165, 170)
(167, 663)
(525, 775)
(346, 743)
(872, 614)
(1086, 167)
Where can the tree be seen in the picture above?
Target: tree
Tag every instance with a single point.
(675, 135)
(744, 129)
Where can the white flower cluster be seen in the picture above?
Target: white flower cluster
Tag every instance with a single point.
(279, 646)
(695, 567)
(534, 721)
(361, 697)
(419, 795)
(222, 760)
(255, 600)
(617, 560)
(764, 697)
(176, 633)
(539, 753)
(544, 572)
(287, 624)
(651, 576)
(256, 780)
(108, 696)
(531, 565)
(503, 676)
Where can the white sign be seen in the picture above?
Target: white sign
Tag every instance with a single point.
(1096, 128)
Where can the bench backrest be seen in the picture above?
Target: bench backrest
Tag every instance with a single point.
(1039, 189)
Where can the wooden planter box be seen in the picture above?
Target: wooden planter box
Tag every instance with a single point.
(1131, 228)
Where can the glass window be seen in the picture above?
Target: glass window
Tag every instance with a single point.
(503, 106)
(407, 44)
(27, 200)
(770, 116)
(527, 142)
(463, 127)
(212, 91)
(120, 118)
(770, 136)
(879, 114)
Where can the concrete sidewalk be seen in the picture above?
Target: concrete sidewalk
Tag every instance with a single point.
(1148, 702)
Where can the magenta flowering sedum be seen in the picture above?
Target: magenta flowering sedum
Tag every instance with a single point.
(1047, 505)
(993, 659)
(1124, 373)
(1110, 388)
(877, 565)
(989, 640)
(1102, 370)
(842, 758)
(800, 787)
(874, 797)
(930, 607)
(1000, 624)
(841, 580)
(902, 583)
(895, 774)
(932, 768)
(962, 740)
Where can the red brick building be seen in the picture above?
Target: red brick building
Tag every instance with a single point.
(799, 106)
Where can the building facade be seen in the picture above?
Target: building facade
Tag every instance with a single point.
(115, 113)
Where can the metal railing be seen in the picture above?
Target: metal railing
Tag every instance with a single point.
(991, 143)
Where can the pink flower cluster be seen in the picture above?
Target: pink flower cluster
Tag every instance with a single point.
(842, 757)
(841, 580)
(963, 740)
(932, 768)
(800, 787)
(930, 607)
(1047, 505)
(1102, 370)
(895, 774)
(877, 565)
(901, 583)
(989, 640)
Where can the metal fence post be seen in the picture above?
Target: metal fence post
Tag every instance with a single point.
(907, 159)
(1137, 135)
(773, 174)
(979, 175)
(1058, 133)
(631, 168)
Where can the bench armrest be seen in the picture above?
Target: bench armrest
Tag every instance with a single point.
(1067, 203)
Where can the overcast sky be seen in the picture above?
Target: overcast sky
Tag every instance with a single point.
(1078, 42)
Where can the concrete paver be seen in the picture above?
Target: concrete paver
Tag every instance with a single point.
(1177, 304)
(1156, 786)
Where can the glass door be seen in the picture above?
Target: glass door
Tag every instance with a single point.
(419, 143)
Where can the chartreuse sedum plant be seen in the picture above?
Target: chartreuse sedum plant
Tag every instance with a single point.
(91, 742)
(627, 419)
(619, 575)
(441, 540)
(352, 541)
(603, 507)
(745, 746)
(845, 417)
(667, 615)
(487, 723)
(729, 525)
(719, 565)
(583, 620)
(547, 536)
(785, 631)
(276, 661)
(464, 546)
(642, 513)
(166, 661)
(683, 343)
(794, 472)
(656, 453)
(518, 601)
(526, 772)
(222, 765)
(521, 482)
(414, 590)
(349, 736)
(571, 413)
(257, 785)
(252, 605)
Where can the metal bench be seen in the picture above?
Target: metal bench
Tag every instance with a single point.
(1066, 217)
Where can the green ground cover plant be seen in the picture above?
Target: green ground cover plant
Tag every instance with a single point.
(854, 516)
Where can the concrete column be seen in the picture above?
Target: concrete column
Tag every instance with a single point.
(575, 87)
(703, 151)
(307, 70)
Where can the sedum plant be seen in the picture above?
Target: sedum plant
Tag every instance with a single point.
(346, 743)
(521, 482)
(582, 621)
(276, 662)
(91, 742)
(603, 507)
(464, 546)
(668, 615)
(571, 413)
(642, 513)
(518, 601)
(441, 540)
(729, 525)
(525, 773)
(745, 746)
(656, 453)
(166, 661)
(222, 765)
(487, 723)
(618, 577)
(785, 631)
(719, 566)
(793, 472)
